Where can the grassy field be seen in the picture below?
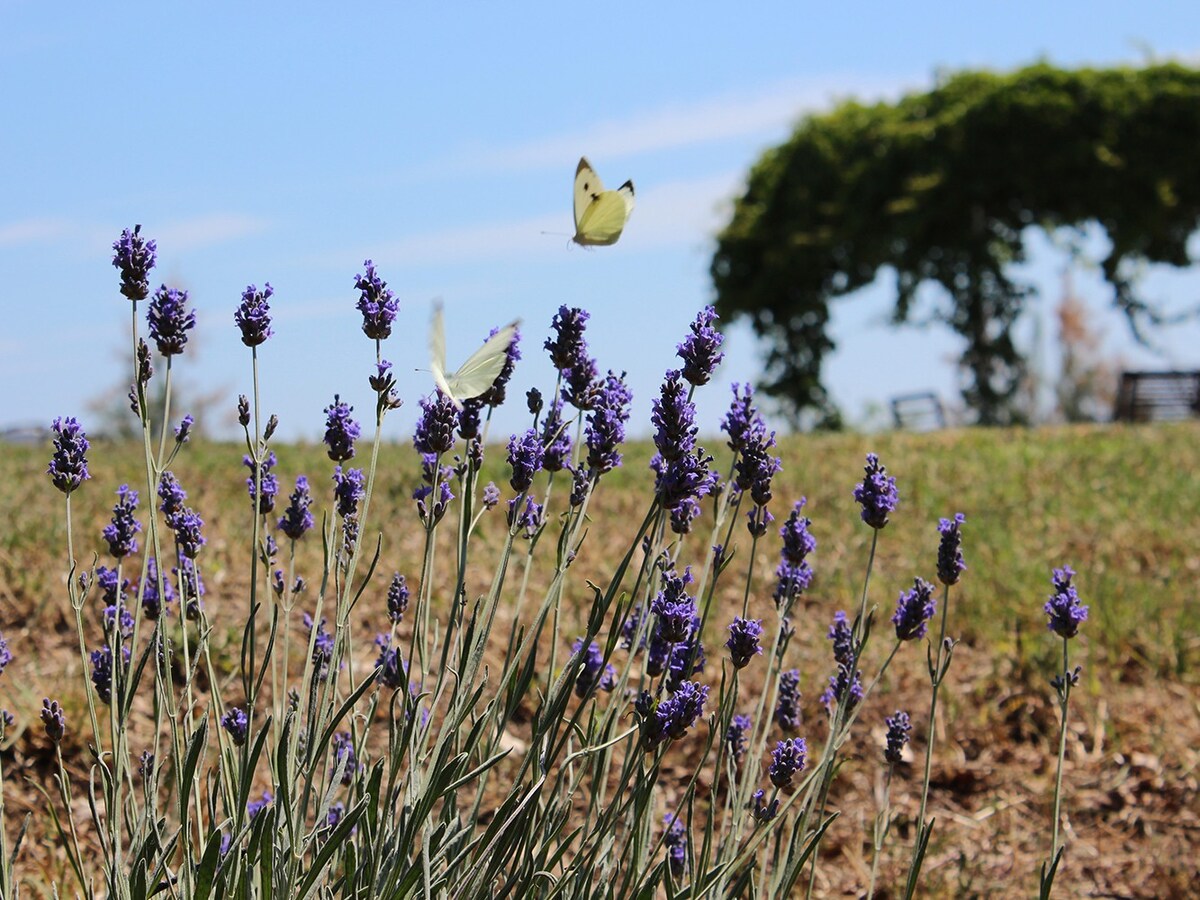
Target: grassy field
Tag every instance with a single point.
(1120, 505)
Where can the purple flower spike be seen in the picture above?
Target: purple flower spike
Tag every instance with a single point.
(556, 439)
(914, 609)
(237, 724)
(170, 320)
(5, 654)
(674, 608)
(120, 533)
(674, 418)
(735, 737)
(491, 495)
(341, 431)
(898, 728)
(102, 671)
(187, 525)
(764, 811)
(787, 709)
(497, 393)
(745, 641)
(434, 433)
(1064, 611)
(842, 636)
(950, 563)
(594, 673)
(742, 424)
(253, 315)
(675, 839)
(525, 457)
(268, 484)
(789, 757)
(391, 668)
(568, 345)
(756, 467)
(606, 424)
(877, 495)
(348, 489)
(134, 256)
(54, 720)
(376, 302)
(254, 807)
(297, 519)
(794, 575)
(68, 465)
(699, 350)
(397, 598)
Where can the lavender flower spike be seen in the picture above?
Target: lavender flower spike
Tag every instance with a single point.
(787, 708)
(914, 609)
(950, 563)
(735, 737)
(745, 636)
(1064, 611)
(341, 431)
(898, 728)
(237, 724)
(134, 256)
(376, 302)
(120, 533)
(699, 350)
(525, 457)
(68, 465)
(297, 519)
(789, 757)
(170, 320)
(253, 315)
(54, 719)
(877, 495)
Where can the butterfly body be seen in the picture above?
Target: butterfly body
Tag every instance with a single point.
(600, 215)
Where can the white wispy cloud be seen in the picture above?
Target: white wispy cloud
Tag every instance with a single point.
(34, 231)
(760, 111)
(206, 230)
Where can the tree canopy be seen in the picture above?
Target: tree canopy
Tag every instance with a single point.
(939, 188)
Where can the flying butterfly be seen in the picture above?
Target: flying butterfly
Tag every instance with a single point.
(479, 372)
(600, 215)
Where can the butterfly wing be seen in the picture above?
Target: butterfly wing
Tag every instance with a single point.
(437, 352)
(587, 187)
(626, 192)
(479, 372)
(604, 219)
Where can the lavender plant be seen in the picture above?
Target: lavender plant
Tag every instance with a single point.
(449, 756)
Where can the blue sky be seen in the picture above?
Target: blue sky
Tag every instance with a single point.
(289, 142)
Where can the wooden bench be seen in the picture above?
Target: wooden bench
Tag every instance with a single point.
(1156, 396)
(921, 411)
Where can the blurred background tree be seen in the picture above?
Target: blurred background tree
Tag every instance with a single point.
(939, 188)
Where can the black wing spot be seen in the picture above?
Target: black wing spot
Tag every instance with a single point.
(586, 186)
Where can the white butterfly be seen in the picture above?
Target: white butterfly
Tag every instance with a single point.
(600, 215)
(479, 372)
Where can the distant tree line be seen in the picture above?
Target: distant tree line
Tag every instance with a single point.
(938, 188)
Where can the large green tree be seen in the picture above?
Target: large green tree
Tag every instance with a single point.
(940, 187)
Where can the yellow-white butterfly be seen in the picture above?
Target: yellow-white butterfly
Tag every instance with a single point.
(479, 372)
(600, 215)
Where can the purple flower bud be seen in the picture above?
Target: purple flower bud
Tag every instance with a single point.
(376, 302)
(102, 671)
(843, 689)
(898, 728)
(491, 495)
(842, 636)
(763, 811)
(434, 433)
(68, 465)
(756, 467)
(742, 423)
(685, 513)
(877, 494)
(525, 457)
(5, 654)
(674, 608)
(789, 757)
(297, 519)
(54, 719)
(526, 518)
(496, 394)
(593, 673)
(243, 410)
(674, 418)
(392, 671)
(606, 424)
(745, 641)
(397, 598)
(914, 609)
(735, 736)
(533, 401)
(254, 807)
(322, 644)
(699, 350)
(134, 256)
(950, 563)
(171, 494)
(556, 440)
(183, 431)
(341, 431)
(348, 489)
(253, 315)
(268, 484)
(675, 839)
(120, 533)
(186, 525)
(787, 708)
(237, 724)
(345, 762)
(568, 344)
(1064, 611)
(170, 320)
